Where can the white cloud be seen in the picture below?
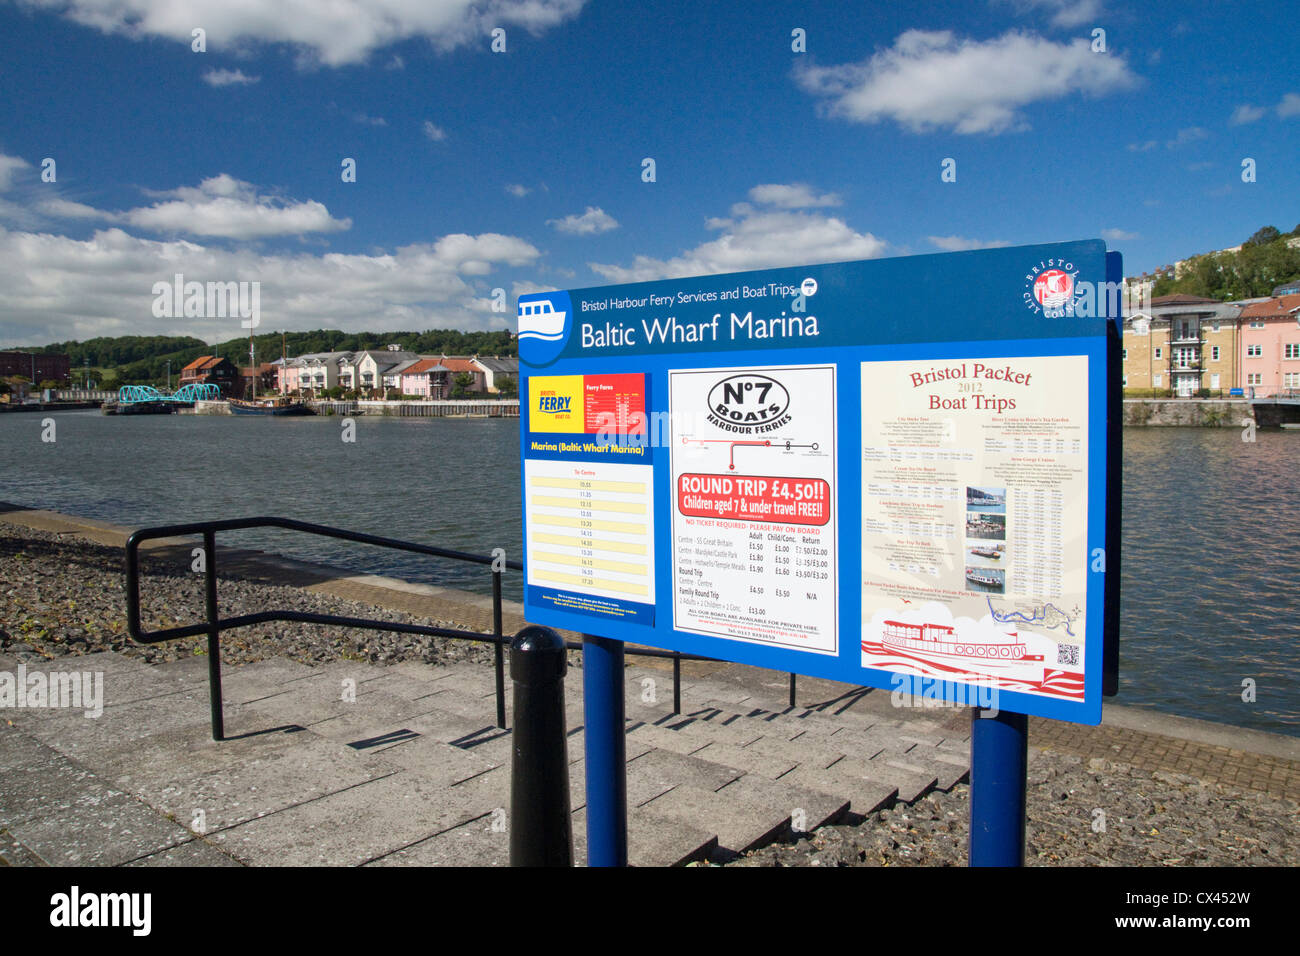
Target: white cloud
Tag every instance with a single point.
(436, 134)
(66, 209)
(594, 220)
(1289, 106)
(791, 196)
(228, 207)
(366, 120)
(8, 166)
(330, 33)
(229, 78)
(1117, 235)
(1142, 147)
(933, 80)
(961, 244)
(1245, 113)
(1065, 13)
(517, 190)
(54, 288)
(1187, 135)
(755, 239)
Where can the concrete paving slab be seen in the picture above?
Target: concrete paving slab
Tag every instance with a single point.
(481, 842)
(652, 840)
(741, 823)
(108, 832)
(751, 761)
(808, 809)
(35, 780)
(194, 853)
(654, 773)
(912, 784)
(258, 786)
(865, 796)
(440, 761)
(365, 822)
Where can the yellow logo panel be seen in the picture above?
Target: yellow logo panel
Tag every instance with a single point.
(556, 404)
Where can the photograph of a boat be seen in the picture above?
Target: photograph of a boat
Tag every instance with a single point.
(986, 552)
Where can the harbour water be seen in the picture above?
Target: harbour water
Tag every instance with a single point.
(1211, 542)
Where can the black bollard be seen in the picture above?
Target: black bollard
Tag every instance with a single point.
(541, 830)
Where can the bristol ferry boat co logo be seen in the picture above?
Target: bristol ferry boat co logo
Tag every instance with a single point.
(1051, 288)
(544, 320)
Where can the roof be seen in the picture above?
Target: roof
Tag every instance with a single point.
(425, 365)
(1182, 299)
(1283, 306)
(459, 364)
(197, 364)
(495, 364)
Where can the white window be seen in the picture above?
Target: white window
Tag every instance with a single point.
(1214, 327)
(1291, 350)
(1256, 324)
(1158, 352)
(1155, 380)
(1291, 380)
(1254, 351)
(1254, 378)
(1126, 355)
(1126, 381)
(1214, 352)
(1214, 381)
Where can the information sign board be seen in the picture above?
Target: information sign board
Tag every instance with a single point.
(892, 473)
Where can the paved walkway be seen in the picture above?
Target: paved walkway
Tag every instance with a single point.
(1212, 752)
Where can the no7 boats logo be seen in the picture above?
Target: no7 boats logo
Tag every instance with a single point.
(749, 404)
(1051, 288)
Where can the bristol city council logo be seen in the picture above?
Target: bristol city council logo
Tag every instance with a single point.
(1051, 288)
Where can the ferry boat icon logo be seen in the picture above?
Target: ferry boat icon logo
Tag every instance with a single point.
(541, 320)
(543, 326)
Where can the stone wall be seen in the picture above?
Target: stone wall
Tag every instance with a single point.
(1196, 412)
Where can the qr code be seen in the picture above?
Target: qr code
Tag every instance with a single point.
(1067, 654)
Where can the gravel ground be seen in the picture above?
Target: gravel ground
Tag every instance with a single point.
(1093, 813)
(62, 594)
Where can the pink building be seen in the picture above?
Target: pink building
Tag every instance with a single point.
(1270, 346)
(427, 378)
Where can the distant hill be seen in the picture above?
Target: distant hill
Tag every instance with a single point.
(1264, 261)
(137, 359)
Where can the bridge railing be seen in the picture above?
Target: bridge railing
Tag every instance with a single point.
(214, 624)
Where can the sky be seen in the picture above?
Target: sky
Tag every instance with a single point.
(503, 145)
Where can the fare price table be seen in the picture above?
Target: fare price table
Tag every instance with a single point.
(591, 528)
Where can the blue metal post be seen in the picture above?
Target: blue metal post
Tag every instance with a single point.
(602, 691)
(999, 750)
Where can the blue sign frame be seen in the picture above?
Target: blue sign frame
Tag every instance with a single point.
(618, 352)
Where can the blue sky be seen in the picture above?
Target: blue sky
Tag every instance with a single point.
(522, 169)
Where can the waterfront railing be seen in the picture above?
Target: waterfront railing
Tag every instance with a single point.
(214, 624)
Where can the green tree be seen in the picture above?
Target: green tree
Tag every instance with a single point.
(1263, 237)
(507, 387)
(460, 385)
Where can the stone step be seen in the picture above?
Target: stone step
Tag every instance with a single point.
(911, 781)
(741, 821)
(865, 796)
(807, 808)
(652, 840)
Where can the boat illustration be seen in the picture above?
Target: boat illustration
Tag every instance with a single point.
(540, 320)
(987, 580)
(938, 643)
(986, 552)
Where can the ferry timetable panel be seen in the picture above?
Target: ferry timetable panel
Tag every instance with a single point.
(783, 468)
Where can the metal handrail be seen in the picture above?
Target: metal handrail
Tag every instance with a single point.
(215, 624)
